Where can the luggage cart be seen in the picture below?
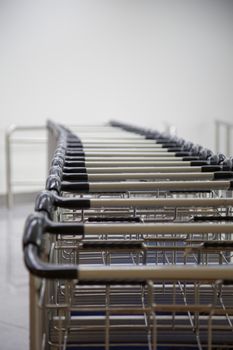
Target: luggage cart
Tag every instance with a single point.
(131, 259)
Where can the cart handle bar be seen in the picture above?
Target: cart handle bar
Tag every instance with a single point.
(48, 201)
(124, 274)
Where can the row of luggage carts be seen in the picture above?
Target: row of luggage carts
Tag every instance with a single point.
(130, 245)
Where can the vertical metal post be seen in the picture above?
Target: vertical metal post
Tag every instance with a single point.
(217, 132)
(8, 152)
(35, 327)
(228, 139)
(9, 195)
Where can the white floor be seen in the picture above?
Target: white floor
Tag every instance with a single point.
(14, 311)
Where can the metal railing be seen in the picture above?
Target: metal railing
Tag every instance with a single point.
(9, 140)
(223, 137)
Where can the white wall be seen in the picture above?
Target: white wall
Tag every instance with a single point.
(141, 61)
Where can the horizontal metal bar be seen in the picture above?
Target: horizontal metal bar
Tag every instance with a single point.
(144, 169)
(119, 141)
(110, 145)
(146, 228)
(169, 155)
(130, 163)
(135, 157)
(109, 137)
(121, 150)
(159, 185)
(125, 273)
(154, 176)
(15, 128)
(160, 202)
(28, 141)
(163, 273)
(27, 183)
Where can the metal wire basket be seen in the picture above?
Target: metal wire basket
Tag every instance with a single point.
(131, 253)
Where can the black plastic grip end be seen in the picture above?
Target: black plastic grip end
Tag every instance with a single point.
(76, 187)
(53, 183)
(113, 245)
(182, 154)
(219, 245)
(170, 145)
(190, 158)
(76, 164)
(198, 162)
(174, 149)
(72, 203)
(227, 282)
(33, 230)
(42, 269)
(75, 170)
(221, 175)
(75, 177)
(210, 168)
(45, 202)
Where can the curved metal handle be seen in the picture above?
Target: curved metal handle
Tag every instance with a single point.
(42, 269)
(117, 274)
(38, 224)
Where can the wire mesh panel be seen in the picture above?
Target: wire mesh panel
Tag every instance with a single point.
(130, 245)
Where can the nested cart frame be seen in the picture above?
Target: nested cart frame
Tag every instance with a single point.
(130, 245)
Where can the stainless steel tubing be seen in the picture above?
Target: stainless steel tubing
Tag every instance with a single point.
(145, 228)
(144, 169)
(160, 202)
(162, 273)
(131, 241)
(142, 163)
(95, 187)
(150, 176)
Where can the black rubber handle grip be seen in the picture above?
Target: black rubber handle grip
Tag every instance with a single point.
(217, 245)
(113, 245)
(76, 187)
(183, 154)
(75, 177)
(170, 145)
(75, 158)
(221, 175)
(199, 162)
(38, 224)
(211, 168)
(74, 170)
(48, 201)
(42, 269)
(227, 282)
(113, 219)
(78, 164)
(74, 144)
(191, 158)
(212, 218)
(174, 149)
(159, 140)
(75, 153)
